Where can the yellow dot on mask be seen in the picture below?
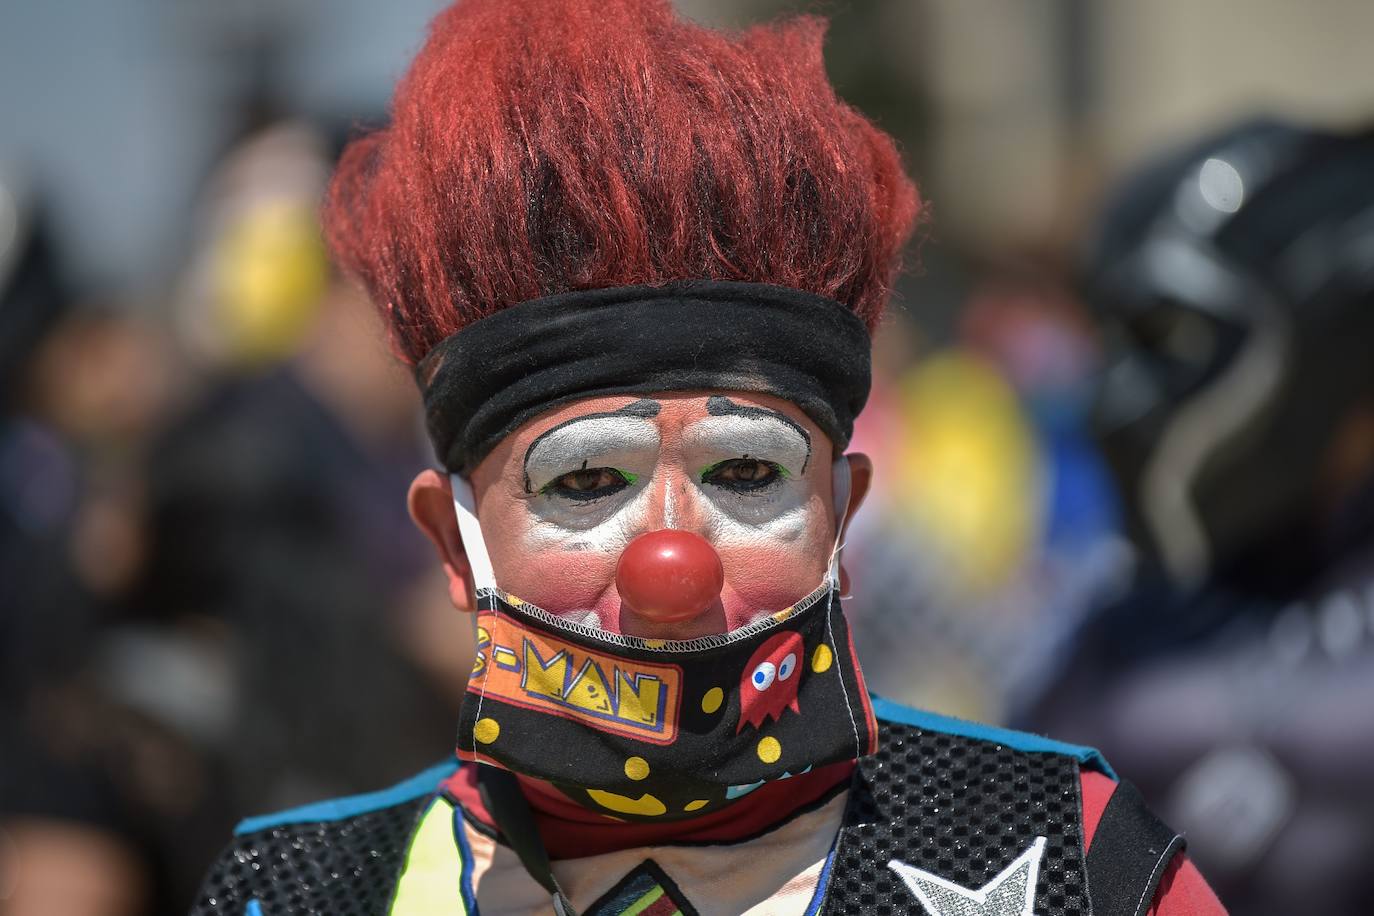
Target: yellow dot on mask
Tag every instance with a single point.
(644, 806)
(769, 750)
(655, 643)
(514, 601)
(695, 805)
(486, 730)
(712, 700)
(636, 768)
(822, 659)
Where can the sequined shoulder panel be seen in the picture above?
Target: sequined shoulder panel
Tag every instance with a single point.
(963, 811)
(345, 867)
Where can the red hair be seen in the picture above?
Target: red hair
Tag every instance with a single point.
(541, 146)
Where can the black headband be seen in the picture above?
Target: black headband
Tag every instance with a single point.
(481, 383)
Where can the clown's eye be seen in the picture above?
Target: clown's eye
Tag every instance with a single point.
(743, 473)
(763, 676)
(789, 664)
(589, 483)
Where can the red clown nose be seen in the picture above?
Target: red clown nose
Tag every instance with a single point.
(669, 576)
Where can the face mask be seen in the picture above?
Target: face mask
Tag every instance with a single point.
(656, 730)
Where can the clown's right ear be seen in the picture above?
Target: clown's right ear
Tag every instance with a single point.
(430, 502)
(465, 509)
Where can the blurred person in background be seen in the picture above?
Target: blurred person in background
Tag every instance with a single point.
(161, 671)
(37, 470)
(1235, 280)
(90, 788)
(994, 519)
(277, 553)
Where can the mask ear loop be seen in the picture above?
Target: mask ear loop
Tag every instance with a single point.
(479, 561)
(839, 488)
(484, 579)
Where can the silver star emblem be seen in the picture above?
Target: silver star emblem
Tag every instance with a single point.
(1011, 893)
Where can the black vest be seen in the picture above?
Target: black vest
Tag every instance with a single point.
(948, 811)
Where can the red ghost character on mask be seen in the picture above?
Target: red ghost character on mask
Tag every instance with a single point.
(770, 680)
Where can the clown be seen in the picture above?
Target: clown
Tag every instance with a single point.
(635, 264)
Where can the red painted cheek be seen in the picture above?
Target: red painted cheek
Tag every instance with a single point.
(768, 578)
(562, 582)
(758, 578)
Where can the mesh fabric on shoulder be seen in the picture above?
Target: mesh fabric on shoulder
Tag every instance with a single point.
(962, 808)
(344, 867)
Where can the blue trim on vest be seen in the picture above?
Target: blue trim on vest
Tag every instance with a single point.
(336, 809)
(823, 882)
(253, 908)
(460, 834)
(1021, 741)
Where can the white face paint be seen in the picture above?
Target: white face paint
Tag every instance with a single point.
(561, 503)
(728, 512)
(628, 446)
(736, 515)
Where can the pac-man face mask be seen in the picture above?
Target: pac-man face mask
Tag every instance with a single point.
(656, 730)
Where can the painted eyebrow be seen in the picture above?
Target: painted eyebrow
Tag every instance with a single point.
(721, 406)
(644, 409)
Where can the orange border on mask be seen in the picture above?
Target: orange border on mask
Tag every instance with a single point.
(529, 668)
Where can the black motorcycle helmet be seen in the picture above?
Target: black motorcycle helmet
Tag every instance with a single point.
(1235, 284)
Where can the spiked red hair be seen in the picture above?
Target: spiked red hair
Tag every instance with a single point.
(539, 146)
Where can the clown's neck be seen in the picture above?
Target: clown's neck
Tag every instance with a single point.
(572, 831)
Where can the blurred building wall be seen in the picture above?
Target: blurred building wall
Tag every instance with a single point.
(1013, 113)
(1001, 133)
(118, 108)
(1170, 68)
(1037, 103)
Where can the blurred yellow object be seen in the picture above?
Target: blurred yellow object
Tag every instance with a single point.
(270, 271)
(970, 469)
